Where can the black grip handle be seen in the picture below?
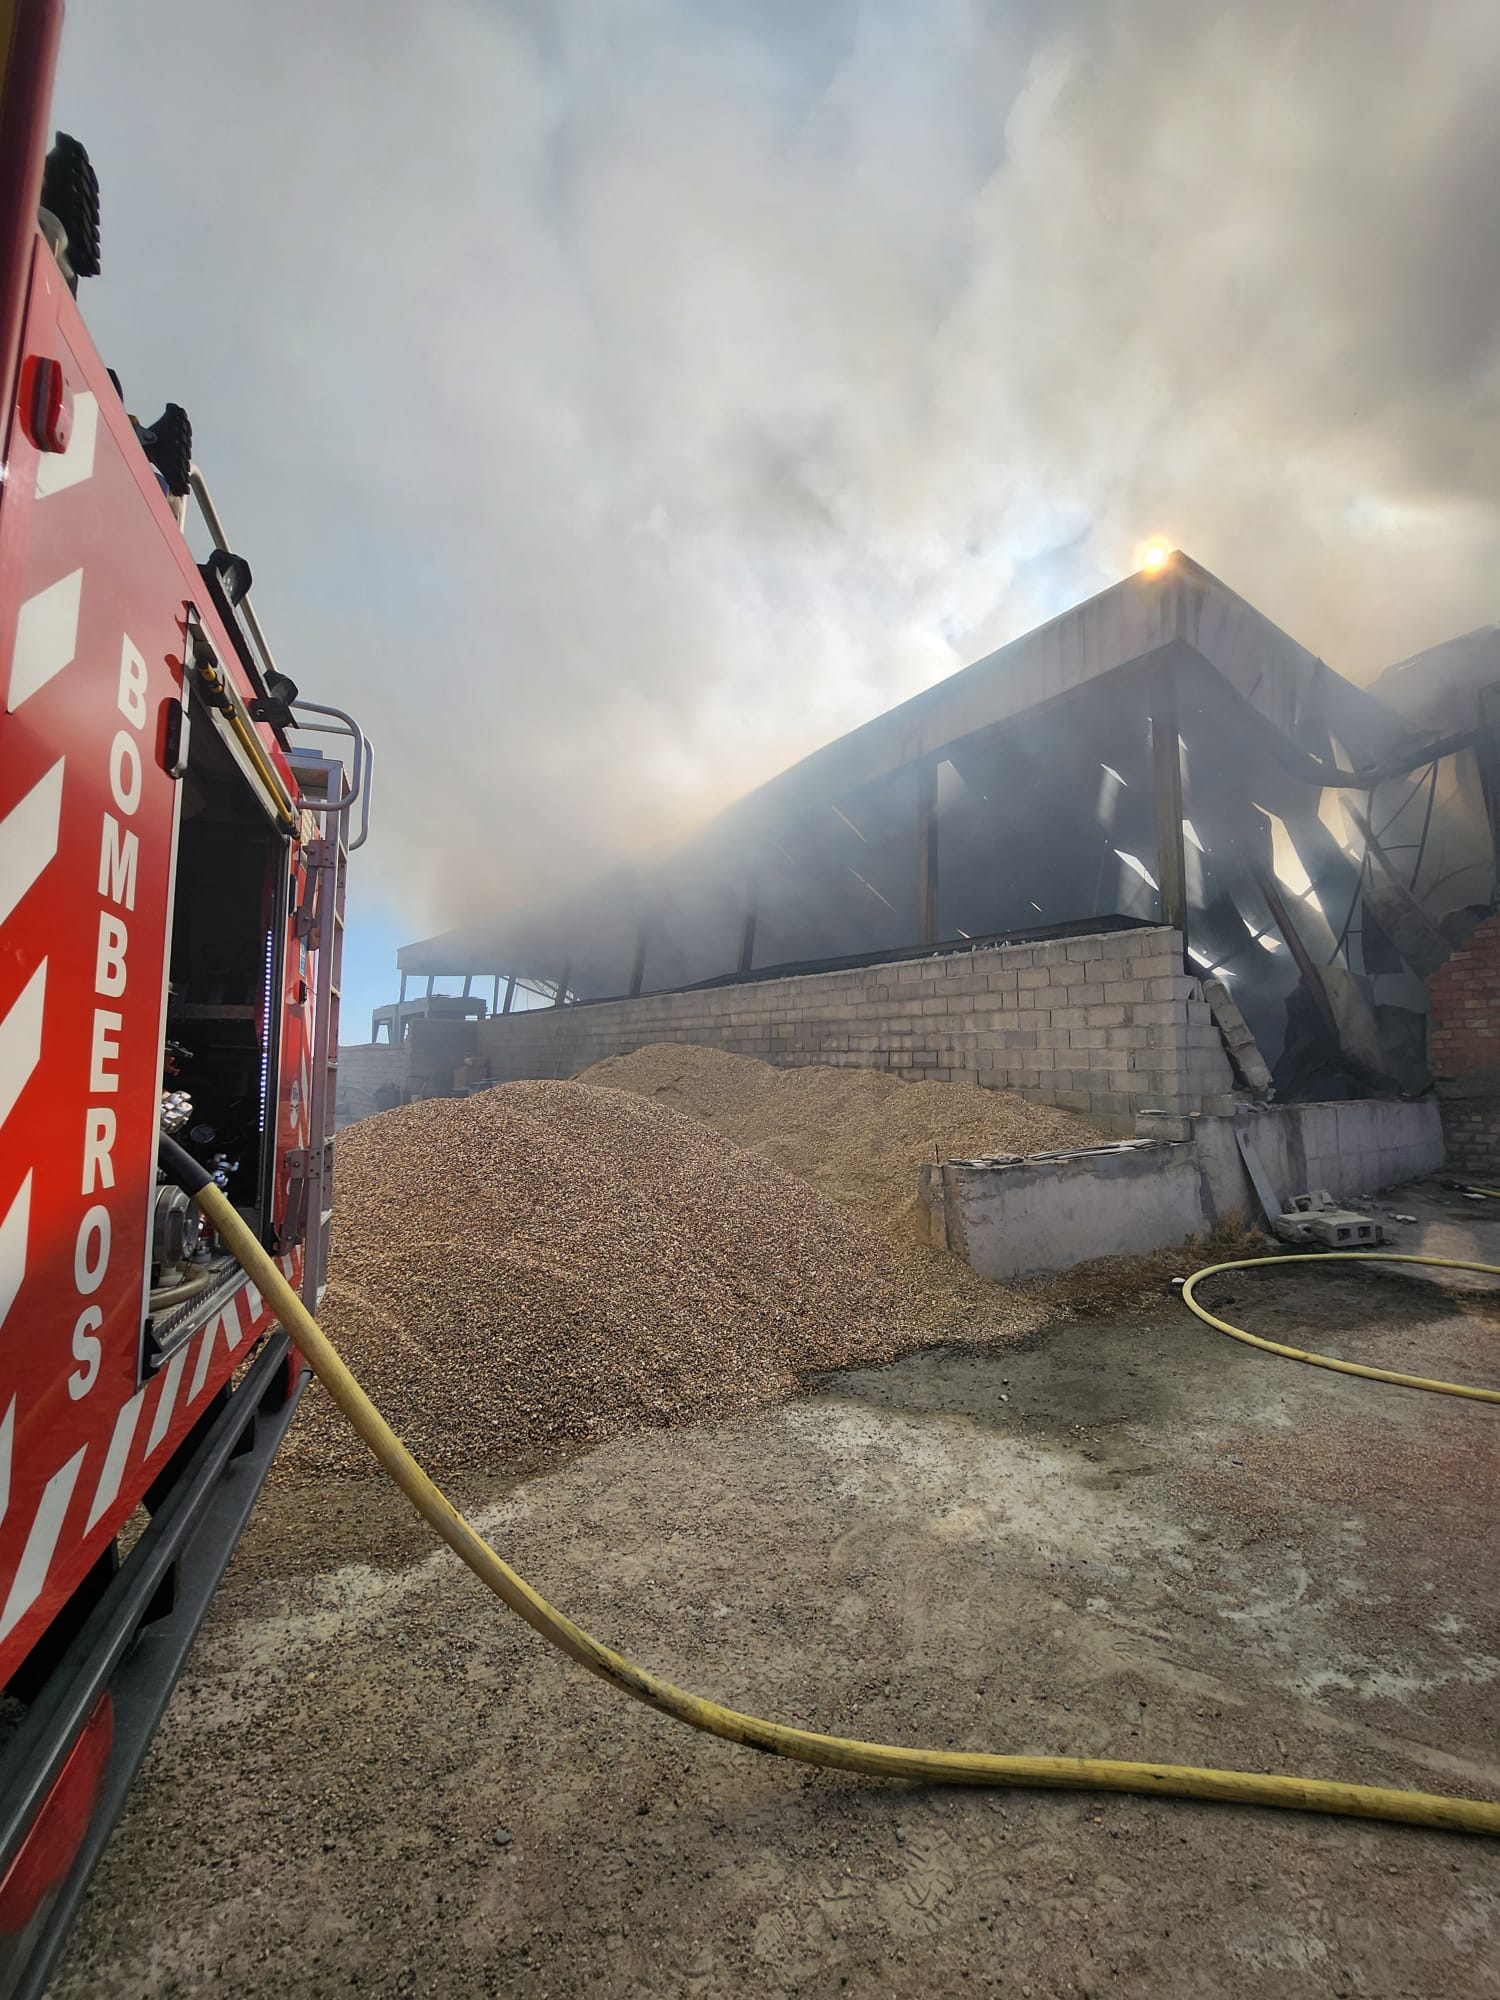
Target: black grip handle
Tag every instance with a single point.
(180, 1167)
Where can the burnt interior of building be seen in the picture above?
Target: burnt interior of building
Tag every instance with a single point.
(1162, 754)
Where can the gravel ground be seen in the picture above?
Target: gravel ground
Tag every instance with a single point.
(856, 1134)
(1127, 1537)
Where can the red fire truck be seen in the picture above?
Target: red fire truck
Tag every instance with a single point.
(172, 866)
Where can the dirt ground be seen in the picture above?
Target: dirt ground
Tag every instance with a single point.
(1127, 1537)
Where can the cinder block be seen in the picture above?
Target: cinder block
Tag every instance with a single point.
(1155, 1014)
(1127, 1038)
(1106, 1014)
(1070, 1017)
(1089, 994)
(1070, 1099)
(1031, 977)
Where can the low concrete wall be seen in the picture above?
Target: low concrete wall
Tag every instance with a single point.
(1015, 1218)
(1351, 1148)
(1105, 1025)
(1019, 1218)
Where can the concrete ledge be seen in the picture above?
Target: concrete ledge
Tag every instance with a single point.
(1182, 1179)
(1351, 1147)
(1015, 1218)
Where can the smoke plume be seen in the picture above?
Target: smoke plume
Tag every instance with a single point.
(617, 400)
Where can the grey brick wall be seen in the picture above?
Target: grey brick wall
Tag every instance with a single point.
(365, 1070)
(1106, 1025)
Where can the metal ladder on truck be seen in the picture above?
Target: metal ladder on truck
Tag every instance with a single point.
(328, 791)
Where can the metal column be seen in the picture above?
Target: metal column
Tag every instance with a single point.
(927, 851)
(1166, 764)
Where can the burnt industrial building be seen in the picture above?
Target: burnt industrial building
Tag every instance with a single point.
(1161, 759)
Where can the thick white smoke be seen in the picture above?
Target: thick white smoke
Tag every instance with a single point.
(617, 400)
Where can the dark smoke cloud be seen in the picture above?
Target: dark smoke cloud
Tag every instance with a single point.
(617, 401)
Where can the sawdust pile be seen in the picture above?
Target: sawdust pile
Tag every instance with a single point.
(857, 1134)
(526, 1272)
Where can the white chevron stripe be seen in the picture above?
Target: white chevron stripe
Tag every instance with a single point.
(14, 1232)
(36, 1557)
(235, 1325)
(255, 1305)
(28, 837)
(205, 1355)
(21, 1040)
(46, 638)
(57, 470)
(116, 1458)
(7, 1439)
(166, 1402)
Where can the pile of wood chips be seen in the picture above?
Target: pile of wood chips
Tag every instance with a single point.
(523, 1273)
(518, 1275)
(858, 1134)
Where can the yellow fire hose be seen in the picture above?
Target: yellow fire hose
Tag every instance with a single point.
(878, 1760)
(1467, 1389)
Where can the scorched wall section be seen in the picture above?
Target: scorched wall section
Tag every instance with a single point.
(1105, 1025)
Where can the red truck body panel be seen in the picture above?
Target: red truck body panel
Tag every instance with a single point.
(96, 581)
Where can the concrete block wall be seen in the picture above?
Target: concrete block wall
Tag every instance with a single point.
(367, 1072)
(1463, 1047)
(1353, 1148)
(1105, 1025)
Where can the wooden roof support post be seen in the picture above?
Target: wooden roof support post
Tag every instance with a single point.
(927, 851)
(638, 964)
(510, 994)
(1166, 762)
(561, 998)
